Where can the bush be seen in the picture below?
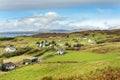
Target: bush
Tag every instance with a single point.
(2, 67)
(37, 42)
(85, 34)
(66, 44)
(32, 51)
(53, 42)
(78, 45)
(41, 53)
(108, 73)
(100, 42)
(114, 40)
(47, 78)
(6, 39)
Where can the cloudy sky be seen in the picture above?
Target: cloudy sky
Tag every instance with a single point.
(33, 15)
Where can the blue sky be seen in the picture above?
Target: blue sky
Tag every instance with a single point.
(112, 11)
(69, 14)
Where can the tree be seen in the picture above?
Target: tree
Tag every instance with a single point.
(78, 45)
(85, 34)
(2, 67)
(66, 44)
(53, 42)
(42, 42)
(67, 36)
(37, 42)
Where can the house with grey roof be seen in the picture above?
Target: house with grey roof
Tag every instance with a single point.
(60, 51)
(10, 49)
(9, 66)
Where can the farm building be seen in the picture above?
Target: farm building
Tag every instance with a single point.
(60, 51)
(30, 60)
(9, 66)
(10, 49)
(85, 38)
(91, 41)
(38, 44)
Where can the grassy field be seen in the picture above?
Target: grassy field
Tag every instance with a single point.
(79, 56)
(90, 58)
(56, 70)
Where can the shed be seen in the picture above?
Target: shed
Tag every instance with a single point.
(60, 51)
(91, 41)
(30, 60)
(9, 66)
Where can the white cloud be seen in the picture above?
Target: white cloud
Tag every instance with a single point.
(52, 20)
(97, 24)
(31, 23)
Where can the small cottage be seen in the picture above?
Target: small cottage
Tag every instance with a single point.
(42, 44)
(60, 51)
(47, 43)
(30, 60)
(85, 38)
(37, 44)
(51, 45)
(9, 66)
(91, 41)
(10, 49)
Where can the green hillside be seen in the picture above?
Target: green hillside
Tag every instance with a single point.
(84, 63)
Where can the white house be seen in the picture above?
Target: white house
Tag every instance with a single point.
(37, 44)
(10, 49)
(91, 41)
(10, 66)
(60, 51)
(51, 45)
(42, 44)
(85, 38)
(47, 43)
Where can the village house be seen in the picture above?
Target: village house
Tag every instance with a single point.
(85, 38)
(9, 66)
(10, 49)
(51, 45)
(75, 39)
(37, 44)
(30, 60)
(60, 51)
(46, 43)
(91, 41)
(42, 44)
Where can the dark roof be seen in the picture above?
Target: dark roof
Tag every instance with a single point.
(9, 64)
(32, 58)
(60, 49)
(11, 47)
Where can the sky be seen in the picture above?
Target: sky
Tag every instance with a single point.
(35, 15)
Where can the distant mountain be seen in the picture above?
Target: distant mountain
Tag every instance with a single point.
(53, 31)
(19, 32)
(47, 35)
(60, 31)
